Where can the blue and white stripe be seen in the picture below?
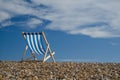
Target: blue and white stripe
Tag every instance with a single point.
(34, 42)
(41, 44)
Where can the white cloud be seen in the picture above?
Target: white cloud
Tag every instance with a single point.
(4, 15)
(33, 23)
(94, 18)
(96, 32)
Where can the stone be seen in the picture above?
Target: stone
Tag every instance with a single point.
(29, 78)
(19, 79)
(33, 70)
(35, 78)
(0, 76)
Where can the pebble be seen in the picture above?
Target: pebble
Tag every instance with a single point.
(35, 78)
(32, 70)
(0, 76)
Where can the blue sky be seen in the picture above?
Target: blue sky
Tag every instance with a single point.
(85, 31)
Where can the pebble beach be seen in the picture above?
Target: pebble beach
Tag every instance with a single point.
(36, 70)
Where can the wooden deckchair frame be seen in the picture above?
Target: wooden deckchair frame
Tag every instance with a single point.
(33, 55)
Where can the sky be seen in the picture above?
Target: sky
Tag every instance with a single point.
(77, 30)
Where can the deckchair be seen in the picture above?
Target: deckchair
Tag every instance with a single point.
(37, 47)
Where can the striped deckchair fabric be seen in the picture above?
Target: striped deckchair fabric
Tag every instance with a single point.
(36, 46)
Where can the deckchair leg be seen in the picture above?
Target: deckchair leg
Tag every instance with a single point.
(52, 57)
(49, 56)
(44, 59)
(33, 55)
(48, 47)
(24, 53)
